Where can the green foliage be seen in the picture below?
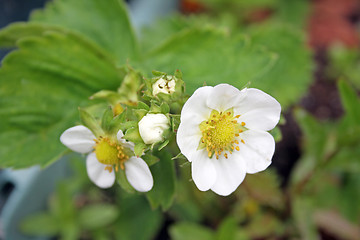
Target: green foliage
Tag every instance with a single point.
(344, 63)
(40, 224)
(272, 56)
(105, 24)
(190, 231)
(208, 48)
(97, 216)
(41, 86)
(137, 220)
(291, 74)
(163, 191)
(326, 176)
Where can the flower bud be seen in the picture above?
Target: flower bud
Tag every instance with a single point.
(165, 85)
(152, 127)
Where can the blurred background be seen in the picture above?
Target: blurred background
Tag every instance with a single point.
(312, 189)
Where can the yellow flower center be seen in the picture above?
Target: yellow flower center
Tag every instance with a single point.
(110, 153)
(220, 133)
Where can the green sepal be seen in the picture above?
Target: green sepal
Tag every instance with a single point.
(175, 122)
(150, 159)
(123, 182)
(178, 74)
(117, 123)
(140, 113)
(154, 107)
(90, 122)
(128, 125)
(110, 96)
(179, 156)
(139, 149)
(142, 105)
(164, 107)
(107, 119)
(164, 144)
(130, 85)
(158, 73)
(133, 135)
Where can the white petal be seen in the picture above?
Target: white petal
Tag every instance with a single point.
(97, 173)
(193, 113)
(257, 151)
(195, 107)
(223, 97)
(230, 173)
(203, 171)
(79, 139)
(258, 110)
(138, 174)
(124, 143)
(188, 138)
(119, 136)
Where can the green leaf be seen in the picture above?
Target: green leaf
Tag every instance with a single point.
(219, 58)
(227, 229)
(163, 191)
(137, 220)
(319, 142)
(265, 189)
(15, 31)
(40, 224)
(350, 101)
(97, 216)
(190, 231)
(289, 78)
(106, 24)
(42, 85)
(303, 209)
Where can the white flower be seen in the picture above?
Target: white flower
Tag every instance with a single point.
(152, 127)
(223, 132)
(108, 155)
(163, 86)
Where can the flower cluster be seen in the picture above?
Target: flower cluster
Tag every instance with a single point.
(221, 130)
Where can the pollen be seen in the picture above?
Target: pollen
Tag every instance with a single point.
(110, 153)
(220, 133)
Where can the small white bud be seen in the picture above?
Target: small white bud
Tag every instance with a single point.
(164, 86)
(152, 127)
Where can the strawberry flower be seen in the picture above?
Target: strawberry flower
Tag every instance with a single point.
(106, 155)
(223, 133)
